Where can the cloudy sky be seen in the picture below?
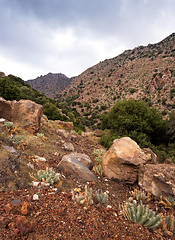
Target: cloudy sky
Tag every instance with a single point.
(69, 36)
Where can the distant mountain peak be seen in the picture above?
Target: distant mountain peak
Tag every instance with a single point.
(50, 84)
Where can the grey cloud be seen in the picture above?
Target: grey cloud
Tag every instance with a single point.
(100, 28)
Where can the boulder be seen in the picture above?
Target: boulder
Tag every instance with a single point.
(123, 159)
(77, 164)
(157, 179)
(23, 113)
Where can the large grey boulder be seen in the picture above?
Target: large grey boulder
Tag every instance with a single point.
(77, 164)
(123, 159)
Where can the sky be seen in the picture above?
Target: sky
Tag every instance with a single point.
(69, 36)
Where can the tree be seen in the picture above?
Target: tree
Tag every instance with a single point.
(136, 119)
(51, 111)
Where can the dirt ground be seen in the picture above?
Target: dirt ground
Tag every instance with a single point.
(55, 215)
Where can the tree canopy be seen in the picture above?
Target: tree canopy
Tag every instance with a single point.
(136, 119)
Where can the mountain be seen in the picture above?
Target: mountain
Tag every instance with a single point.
(50, 84)
(146, 72)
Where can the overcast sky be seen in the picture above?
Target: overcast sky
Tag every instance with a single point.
(69, 36)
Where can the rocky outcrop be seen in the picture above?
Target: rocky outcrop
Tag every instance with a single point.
(77, 164)
(123, 159)
(23, 113)
(158, 179)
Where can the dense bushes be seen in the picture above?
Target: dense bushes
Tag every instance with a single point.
(136, 119)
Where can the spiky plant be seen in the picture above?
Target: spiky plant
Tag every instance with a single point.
(140, 195)
(168, 223)
(168, 202)
(83, 199)
(48, 176)
(99, 154)
(101, 197)
(141, 213)
(98, 169)
(19, 141)
(9, 125)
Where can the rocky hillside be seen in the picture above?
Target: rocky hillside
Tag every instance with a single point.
(50, 84)
(145, 72)
(57, 184)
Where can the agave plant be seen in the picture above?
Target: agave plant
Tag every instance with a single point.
(142, 214)
(48, 176)
(83, 199)
(101, 197)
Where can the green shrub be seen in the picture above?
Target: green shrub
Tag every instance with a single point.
(136, 119)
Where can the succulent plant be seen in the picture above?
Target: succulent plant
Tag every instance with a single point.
(48, 176)
(99, 153)
(101, 197)
(9, 124)
(168, 202)
(142, 214)
(83, 199)
(40, 135)
(168, 223)
(140, 195)
(98, 169)
(19, 141)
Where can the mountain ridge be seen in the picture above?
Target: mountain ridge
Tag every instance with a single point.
(50, 84)
(145, 72)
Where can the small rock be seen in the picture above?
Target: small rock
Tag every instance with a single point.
(35, 197)
(23, 225)
(25, 208)
(7, 208)
(2, 120)
(3, 222)
(69, 146)
(35, 184)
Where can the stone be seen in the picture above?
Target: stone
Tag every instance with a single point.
(74, 165)
(4, 222)
(24, 226)
(69, 146)
(8, 208)
(157, 179)
(151, 156)
(123, 159)
(83, 158)
(35, 197)
(25, 208)
(23, 113)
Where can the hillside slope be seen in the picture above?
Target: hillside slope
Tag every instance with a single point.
(146, 72)
(50, 84)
